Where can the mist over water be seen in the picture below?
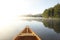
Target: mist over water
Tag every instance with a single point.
(45, 29)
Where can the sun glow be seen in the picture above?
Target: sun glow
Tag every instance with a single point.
(22, 7)
(12, 9)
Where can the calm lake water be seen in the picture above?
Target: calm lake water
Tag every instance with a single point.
(45, 29)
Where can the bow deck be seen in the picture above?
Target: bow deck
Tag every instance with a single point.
(27, 34)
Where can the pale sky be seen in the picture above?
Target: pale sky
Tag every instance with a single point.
(21, 7)
(34, 6)
(11, 9)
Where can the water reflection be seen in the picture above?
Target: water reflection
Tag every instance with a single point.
(45, 29)
(53, 24)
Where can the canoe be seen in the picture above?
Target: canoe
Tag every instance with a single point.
(27, 34)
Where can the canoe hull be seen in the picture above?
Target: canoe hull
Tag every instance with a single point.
(27, 34)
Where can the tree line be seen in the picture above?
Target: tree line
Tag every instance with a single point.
(53, 12)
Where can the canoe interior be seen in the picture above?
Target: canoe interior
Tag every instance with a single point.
(27, 34)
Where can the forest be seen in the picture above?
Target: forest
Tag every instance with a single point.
(52, 12)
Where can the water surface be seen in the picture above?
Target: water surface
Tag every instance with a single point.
(45, 29)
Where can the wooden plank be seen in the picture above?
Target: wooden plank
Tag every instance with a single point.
(27, 34)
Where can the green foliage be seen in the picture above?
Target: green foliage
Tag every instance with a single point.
(45, 14)
(52, 24)
(52, 12)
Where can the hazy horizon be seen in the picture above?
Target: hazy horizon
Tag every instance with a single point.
(34, 6)
(23, 7)
(10, 10)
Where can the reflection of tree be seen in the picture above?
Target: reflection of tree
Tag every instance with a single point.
(54, 24)
(39, 20)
